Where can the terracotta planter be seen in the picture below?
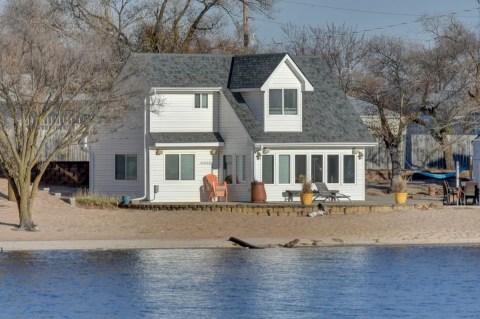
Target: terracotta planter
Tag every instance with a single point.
(401, 198)
(306, 198)
(258, 194)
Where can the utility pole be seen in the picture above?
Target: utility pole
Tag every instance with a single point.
(246, 35)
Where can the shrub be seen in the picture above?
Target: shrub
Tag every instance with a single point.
(86, 199)
(399, 184)
(306, 184)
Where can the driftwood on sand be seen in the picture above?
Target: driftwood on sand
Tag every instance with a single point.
(243, 243)
(292, 243)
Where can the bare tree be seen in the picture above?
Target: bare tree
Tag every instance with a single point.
(53, 89)
(163, 25)
(341, 47)
(446, 106)
(450, 82)
(389, 83)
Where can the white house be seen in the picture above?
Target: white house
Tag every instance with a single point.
(267, 117)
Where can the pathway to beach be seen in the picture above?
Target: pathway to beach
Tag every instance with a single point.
(62, 226)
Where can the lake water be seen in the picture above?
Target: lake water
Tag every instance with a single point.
(340, 282)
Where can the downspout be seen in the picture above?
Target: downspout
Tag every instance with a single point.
(93, 170)
(144, 156)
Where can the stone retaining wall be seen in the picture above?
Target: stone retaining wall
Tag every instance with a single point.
(280, 209)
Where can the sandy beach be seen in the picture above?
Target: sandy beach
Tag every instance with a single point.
(61, 226)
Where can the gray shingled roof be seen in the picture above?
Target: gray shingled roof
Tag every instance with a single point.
(252, 71)
(190, 137)
(328, 117)
(181, 70)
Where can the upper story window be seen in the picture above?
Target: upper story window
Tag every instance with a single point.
(283, 102)
(201, 101)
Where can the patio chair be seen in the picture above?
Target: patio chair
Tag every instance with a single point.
(470, 191)
(323, 191)
(450, 194)
(214, 189)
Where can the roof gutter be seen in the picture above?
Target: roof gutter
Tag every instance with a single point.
(310, 145)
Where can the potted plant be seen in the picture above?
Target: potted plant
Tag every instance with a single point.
(399, 187)
(306, 197)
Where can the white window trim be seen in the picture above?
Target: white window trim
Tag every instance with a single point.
(299, 99)
(240, 178)
(278, 168)
(201, 107)
(354, 169)
(115, 167)
(275, 167)
(179, 180)
(309, 154)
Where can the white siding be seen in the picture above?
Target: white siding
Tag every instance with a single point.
(180, 191)
(255, 101)
(237, 142)
(128, 140)
(177, 113)
(274, 191)
(283, 78)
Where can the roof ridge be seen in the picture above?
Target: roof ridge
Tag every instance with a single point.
(181, 54)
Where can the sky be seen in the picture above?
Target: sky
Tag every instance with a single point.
(391, 17)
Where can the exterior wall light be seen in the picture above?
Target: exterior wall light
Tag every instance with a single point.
(356, 151)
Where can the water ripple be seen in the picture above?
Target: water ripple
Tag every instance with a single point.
(346, 282)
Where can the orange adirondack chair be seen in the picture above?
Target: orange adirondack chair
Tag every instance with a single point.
(215, 190)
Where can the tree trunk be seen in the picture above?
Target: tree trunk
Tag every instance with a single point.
(11, 193)
(25, 208)
(395, 156)
(447, 152)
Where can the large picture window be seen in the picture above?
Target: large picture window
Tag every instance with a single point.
(282, 102)
(267, 169)
(284, 169)
(179, 167)
(349, 169)
(125, 167)
(241, 168)
(228, 169)
(317, 168)
(333, 168)
(300, 167)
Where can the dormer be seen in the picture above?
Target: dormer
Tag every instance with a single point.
(273, 86)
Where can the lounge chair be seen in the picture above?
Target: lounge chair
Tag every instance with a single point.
(324, 192)
(215, 190)
(450, 194)
(470, 191)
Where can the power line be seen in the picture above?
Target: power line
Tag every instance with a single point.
(349, 9)
(382, 27)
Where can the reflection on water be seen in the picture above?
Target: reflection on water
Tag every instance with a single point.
(348, 282)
